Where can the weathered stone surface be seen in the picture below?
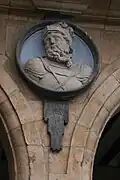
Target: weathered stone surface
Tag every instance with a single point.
(94, 115)
(115, 5)
(15, 28)
(32, 133)
(4, 2)
(100, 120)
(21, 3)
(110, 43)
(68, 133)
(3, 59)
(17, 137)
(9, 115)
(53, 176)
(112, 102)
(91, 141)
(3, 97)
(81, 5)
(21, 106)
(43, 133)
(37, 108)
(37, 162)
(75, 160)
(99, 7)
(76, 106)
(7, 83)
(116, 74)
(87, 159)
(80, 136)
(45, 4)
(2, 33)
(97, 100)
(58, 162)
(22, 163)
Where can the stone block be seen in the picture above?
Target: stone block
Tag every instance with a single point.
(21, 106)
(63, 5)
(2, 33)
(22, 163)
(89, 112)
(17, 137)
(79, 136)
(110, 46)
(58, 161)
(99, 7)
(22, 3)
(9, 115)
(53, 176)
(4, 2)
(43, 133)
(3, 97)
(86, 173)
(87, 159)
(113, 101)
(37, 108)
(115, 5)
(15, 28)
(112, 27)
(37, 162)
(32, 133)
(7, 83)
(80, 6)
(97, 100)
(47, 4)
(116, 74)
(76, 106)
(100, 121)
(3, 60)
(75, 160)
(91, 141)
(106, 89)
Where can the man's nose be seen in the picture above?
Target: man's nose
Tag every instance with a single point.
(52, 40)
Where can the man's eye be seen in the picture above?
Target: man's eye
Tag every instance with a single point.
(57, 38)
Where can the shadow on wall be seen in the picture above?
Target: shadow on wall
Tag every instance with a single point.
(4, 174)
(106, 173)
(6, 155)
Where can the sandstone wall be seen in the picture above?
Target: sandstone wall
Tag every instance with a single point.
(22, 110)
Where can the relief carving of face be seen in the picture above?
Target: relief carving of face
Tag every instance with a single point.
(58, 42)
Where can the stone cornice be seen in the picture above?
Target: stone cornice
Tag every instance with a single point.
(72, 10)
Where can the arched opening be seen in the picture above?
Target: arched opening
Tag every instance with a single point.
(107, 158)
(6, 155)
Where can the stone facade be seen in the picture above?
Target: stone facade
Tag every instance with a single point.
(22, 110)
(90, 10)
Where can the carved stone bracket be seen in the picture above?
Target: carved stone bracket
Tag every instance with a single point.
(56, 116)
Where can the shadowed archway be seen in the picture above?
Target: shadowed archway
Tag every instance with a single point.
(6, 156)
(107, 158)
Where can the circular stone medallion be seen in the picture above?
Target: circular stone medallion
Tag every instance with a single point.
(57, 58)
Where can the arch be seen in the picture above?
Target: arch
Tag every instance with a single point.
(103, 102)
(12, 124)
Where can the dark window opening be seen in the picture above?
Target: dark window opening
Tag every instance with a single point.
(107, 158)
(4, 173)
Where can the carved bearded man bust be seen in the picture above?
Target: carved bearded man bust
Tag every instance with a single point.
(57, 71)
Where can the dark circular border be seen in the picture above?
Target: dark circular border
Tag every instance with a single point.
(54, 94)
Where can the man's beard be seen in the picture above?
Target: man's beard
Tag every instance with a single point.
(58, 55)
